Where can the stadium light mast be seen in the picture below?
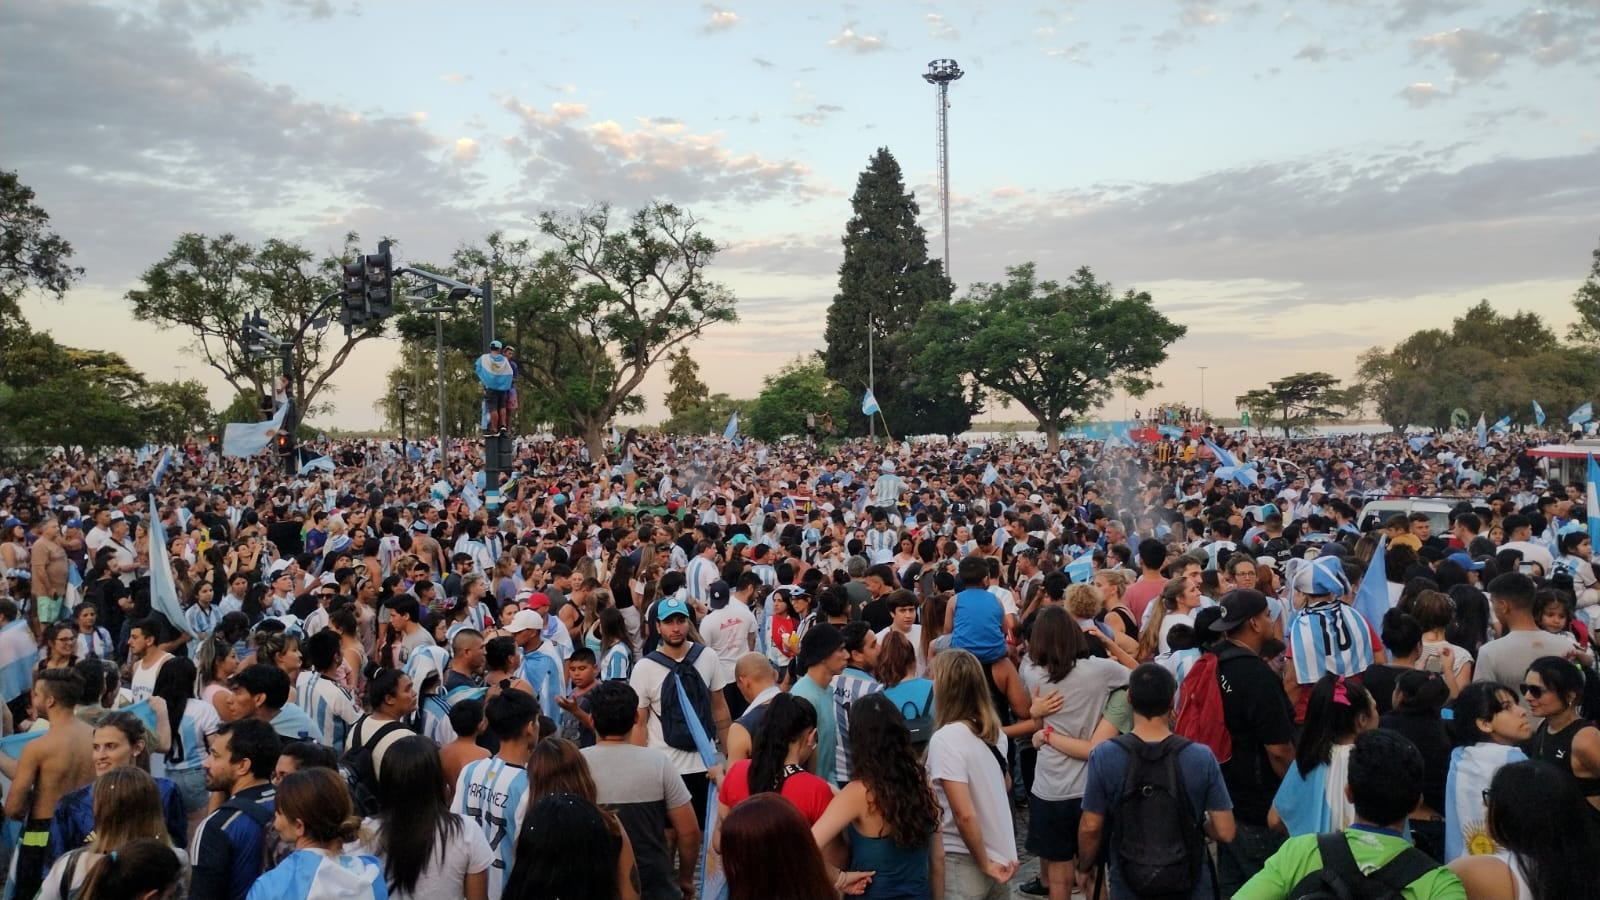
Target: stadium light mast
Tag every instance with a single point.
(940, 73)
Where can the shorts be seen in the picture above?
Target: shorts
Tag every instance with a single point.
(1053, 828)
(191, 785)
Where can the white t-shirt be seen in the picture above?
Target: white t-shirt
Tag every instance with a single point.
(915, 637)
(465, 852)
(956, 754)
(727, 631)
(1171, 619)
(648, 681)
(143, 682)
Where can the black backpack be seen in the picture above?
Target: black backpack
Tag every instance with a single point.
(1340, 878)
(919, 721)
(674, 722)
(360, 774)
(1156, 842)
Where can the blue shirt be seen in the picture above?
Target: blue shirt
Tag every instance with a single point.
(541, 670)
(226, 856)
(73, 821)
(979, 625)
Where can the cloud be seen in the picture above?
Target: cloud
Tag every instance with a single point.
(1201, 17)
(721, 19)
(939, 29)
(1312, 53)
(1471, 54)
(1411, 13)
(563, 159)
(455, 78)
(763, 63)
(1422, 93)
(466, 150)
(1072, 54)
(849, 39)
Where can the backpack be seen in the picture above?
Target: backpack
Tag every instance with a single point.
(1156, 842)
(1340, 878)
(675, 729)
(360, 774)
(919, 721)
(1200, 711)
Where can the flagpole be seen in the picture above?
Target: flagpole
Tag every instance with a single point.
(872, 425)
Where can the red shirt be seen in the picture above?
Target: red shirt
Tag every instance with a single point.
(810, 794)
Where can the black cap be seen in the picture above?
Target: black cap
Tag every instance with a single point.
(819, 643)
(717, 594)
(1238, 607)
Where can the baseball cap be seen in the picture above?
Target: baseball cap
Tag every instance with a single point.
(1465, 561)
(819, 643)
(419, 525)
(327, 579)
(117, 516)
(717, 594)
(496, 345)
(671, 606)
(537, 600)
(277, 568)
(739, 539)
(10, 522)
(525, 620)
(1239, 606)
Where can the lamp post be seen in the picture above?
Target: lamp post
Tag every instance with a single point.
(403, 393)
(1203, 392)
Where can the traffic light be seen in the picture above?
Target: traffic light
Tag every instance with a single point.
(354, 293)
(215, 443)
(380, 272)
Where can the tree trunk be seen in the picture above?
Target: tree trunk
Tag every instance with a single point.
(1052, 437)
(593, 431)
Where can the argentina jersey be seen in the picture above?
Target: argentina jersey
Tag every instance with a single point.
(1329, 638)
(880, 545)
(494, 795)
(328, 704)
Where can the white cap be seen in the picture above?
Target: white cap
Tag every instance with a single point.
(117, 516)
(327, 578)
(525, 620)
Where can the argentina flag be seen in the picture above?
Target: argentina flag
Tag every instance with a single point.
(314, 875)
(246, 439)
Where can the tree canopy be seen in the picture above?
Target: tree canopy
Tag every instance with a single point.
(802, 386)
(1058, 350)
(1296, 402)
(684, 387)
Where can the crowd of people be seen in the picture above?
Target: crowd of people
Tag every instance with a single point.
(700, 667)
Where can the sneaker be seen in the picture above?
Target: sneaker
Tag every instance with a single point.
(1035, 888)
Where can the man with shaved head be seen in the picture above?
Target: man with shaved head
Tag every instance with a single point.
(757, 681)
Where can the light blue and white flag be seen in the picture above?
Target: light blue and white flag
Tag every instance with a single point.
(1372, 597)
(990, 474)
(163, 589)
(1081, 570)
(1224, 458)
(314, 875)
(1417, 443)
(246, 439)
(469, 493)
(21, 654)
(869, 404)
(1466, 825)
(1169, 431)
(1503, 426)
(1481, 433)
(1582, 415)
(320, 464)
(161, 468)
(1538, 413)
(732, 429)
(1592, 503)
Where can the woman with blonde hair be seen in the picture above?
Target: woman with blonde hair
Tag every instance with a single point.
(1176, 605)
(1084, 604)
(127, 808)
(967, 765)
(1113, 586)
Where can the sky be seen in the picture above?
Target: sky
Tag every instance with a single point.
(1294, 181)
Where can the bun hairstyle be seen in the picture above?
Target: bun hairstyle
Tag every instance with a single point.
(319, 801)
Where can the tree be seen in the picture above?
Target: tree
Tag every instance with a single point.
(1586, 331)
(418, 369)
(683, 378)
(1297, 401)
(609, 303)
(206, 285)
(32, 257)
(802, 386)
(58, 396)
(886, 281)
(707, 416)
(1058, 350)
(173, 411)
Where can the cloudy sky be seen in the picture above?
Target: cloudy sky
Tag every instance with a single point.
(1295, 181)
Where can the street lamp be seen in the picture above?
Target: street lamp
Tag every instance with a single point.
(403, 393)
(1203, 392)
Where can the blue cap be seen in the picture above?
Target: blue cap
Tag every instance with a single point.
(738, 539)
(671, 606)
(10, 522)
(1465, 562)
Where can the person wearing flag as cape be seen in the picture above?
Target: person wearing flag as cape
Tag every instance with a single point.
(496, 373)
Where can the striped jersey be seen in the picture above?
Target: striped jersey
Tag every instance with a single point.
(699, 575)
(202, 623)
(494, 794)
(880, 545)
(848, 687)
(328, 704)
(616, 663)
(1329, 638)
(195, 727)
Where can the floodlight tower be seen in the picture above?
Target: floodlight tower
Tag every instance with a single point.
(940, 73)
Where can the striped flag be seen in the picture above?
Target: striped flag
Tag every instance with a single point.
(1582, 415)
(869, 404)
(1592, 492)
(1538, 413)
(163, 589)
(1372, 598)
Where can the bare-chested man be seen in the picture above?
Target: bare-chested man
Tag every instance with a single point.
(51, 766)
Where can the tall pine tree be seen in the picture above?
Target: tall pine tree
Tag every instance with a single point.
(885, 283)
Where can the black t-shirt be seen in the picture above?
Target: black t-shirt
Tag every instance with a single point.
(876, 614)
(1379, 680)
(1428, 733)
(1257, 714)
(285, 535)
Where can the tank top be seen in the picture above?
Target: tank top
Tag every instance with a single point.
(978, 625)
(1556, 749)
(899, 874)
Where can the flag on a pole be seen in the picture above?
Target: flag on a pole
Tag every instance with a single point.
(869, 404)
(161, 468)
(1538, 413)
(1372, 597)
(246, 439)
(1224, 458)
(321, 463)
(1582, 415)
(1481, 432)
(1592, 493)
(733, 427)
(163, 590)
(990, 474)
(1503, 426)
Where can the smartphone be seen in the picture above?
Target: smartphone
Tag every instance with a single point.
(1526, 568)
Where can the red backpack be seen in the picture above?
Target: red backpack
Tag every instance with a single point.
(1200, 715)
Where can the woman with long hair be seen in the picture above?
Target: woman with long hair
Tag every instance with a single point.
(215, 664)
(768, 853)
(567, 850)
(1059, 661)
(59, 649)
(127, 808)
(627, 592)
(280, 649)
(1547, 837)
(556, 767)
(118, 741)
(313, 814)
(1402, 638)
(145, 869)
(1113, 586)
(1176, 605)
(785, 742)
(616, 653)
(427, 851)
(966, 762)
(1553, 688)
(888, 814)
(190, 724)
(1489, 727)
(897, 672)
(1311, 799)
(1435, 611)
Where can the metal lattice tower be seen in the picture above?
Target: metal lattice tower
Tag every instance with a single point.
(940, 73)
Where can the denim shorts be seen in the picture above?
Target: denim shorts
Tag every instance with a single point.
(191, 785)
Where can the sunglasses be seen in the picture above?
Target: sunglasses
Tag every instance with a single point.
(1531, 690)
